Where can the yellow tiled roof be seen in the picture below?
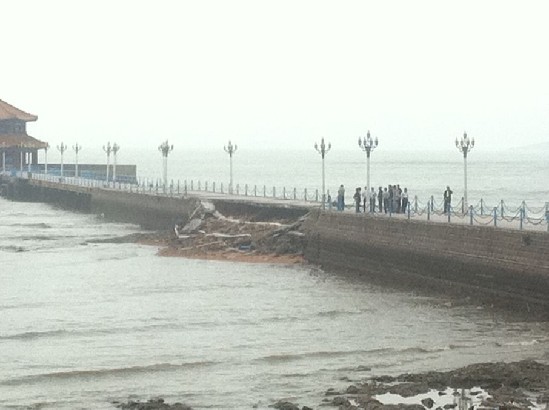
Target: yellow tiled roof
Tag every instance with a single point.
(8, 111)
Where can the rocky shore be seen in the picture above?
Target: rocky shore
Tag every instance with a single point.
(517, 385)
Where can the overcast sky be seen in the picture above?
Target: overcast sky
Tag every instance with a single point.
(417, 74)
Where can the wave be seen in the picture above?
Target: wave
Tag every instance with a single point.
(531, 342)
(12, 248)
(388, 351)
(320, 354)
(336, 313)
(40, 225)
(98, 373)
(34, 335)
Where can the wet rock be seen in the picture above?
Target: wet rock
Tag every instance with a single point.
(409, 389)
(152, 404)
(428, 402)
(340, 401)
(285, 405)
(352, 390)
(306, 408)
(369, 403)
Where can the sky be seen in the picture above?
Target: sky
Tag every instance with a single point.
(279, 74)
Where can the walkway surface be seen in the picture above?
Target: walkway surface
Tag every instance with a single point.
(512, 220)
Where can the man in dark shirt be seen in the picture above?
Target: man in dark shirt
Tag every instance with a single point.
(447, 199)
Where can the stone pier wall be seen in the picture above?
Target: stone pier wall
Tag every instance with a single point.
(507, 267)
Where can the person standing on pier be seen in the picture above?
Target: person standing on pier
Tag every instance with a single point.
(357, 197)
(447, 199)
(341, 198)
(404, 200)
(372, 201)
(380, 199)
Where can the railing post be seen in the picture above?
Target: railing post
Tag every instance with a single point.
(495, 216)
(501, 213)
(178, 187)
(481, 207)
(255, 190)
(316, 195)
(213, 187)
(329, 199)
(199, 185)
(246, 190)
(264, 191)
(432, 203)
(274, 192)
(470, 214)
(408, 210)
(283, 192)
(449, 212)
(205, 186)
(521, 212)
(463, 205)
(192, 184)
(295, 194)
(415, 204)
(185, 187)
(428, 212)
(222, 188)
(305, 194)
(237, 189)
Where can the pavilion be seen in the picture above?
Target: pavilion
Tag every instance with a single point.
(18, 148)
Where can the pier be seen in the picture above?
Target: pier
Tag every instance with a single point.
(504, 265)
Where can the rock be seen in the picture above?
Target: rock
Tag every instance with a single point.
(285, 405)
(152, 404)
(409, 389)
(306, 408)
(428, 402)
(340, 401)
(352, 390)
(450, 406)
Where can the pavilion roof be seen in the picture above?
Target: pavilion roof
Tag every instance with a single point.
(8, 112)
(19, 140)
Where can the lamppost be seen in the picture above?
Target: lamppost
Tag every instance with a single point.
(115, 149)
(323, 150)
(77, 148)
(62, 148)
(108, 150)
(46, 158)
(165, 149)
(230, 149)
(465, 145)
(367, 144)
(3, 156)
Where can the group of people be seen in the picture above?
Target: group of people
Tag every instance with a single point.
(391, 199)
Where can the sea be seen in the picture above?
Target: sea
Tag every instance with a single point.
(86, 323)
